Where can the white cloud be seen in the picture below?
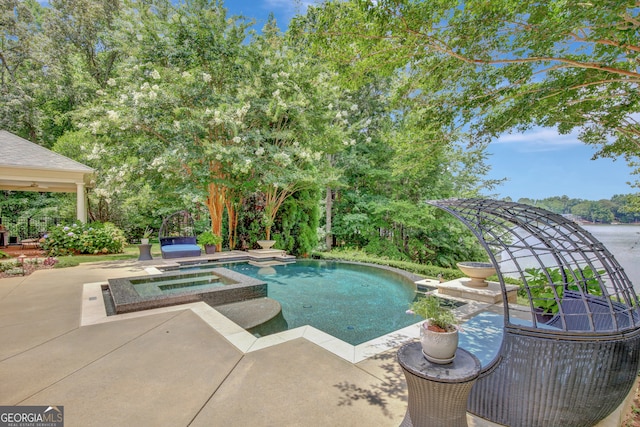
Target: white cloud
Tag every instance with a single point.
(540, 139)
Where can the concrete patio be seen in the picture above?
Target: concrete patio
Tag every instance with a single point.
(172, 368)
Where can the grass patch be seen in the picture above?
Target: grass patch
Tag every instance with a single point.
(130, 252)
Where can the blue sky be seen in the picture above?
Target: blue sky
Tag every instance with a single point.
(542, 163)
(537, 164)
(259, 10)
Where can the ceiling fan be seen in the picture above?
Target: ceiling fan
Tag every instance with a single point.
(35, 185)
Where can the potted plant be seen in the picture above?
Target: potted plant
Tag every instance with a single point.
(541, 283)
(145, 235)
(209, 241)
(439, 333)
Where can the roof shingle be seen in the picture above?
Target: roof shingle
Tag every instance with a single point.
(18, 152)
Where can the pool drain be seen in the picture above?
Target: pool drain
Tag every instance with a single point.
(307, 305)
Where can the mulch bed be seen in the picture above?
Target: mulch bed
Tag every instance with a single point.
(15, 251)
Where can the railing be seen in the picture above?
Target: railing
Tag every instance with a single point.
(25, 228)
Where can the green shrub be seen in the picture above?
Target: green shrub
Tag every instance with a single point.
(384, 248)
(425, 270)
(75, 239)
(8, 265)
(3, 255)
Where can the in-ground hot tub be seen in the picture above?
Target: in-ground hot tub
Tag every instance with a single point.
(215, 286)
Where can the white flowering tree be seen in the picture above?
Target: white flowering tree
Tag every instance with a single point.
(213, 117)
(172, 101)
(302, 117)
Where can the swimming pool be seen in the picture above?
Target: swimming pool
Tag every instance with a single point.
(353, 302)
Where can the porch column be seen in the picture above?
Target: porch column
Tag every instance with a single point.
(81, 202)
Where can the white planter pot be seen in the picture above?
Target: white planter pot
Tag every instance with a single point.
(144, 241)
(477, 272)
(438, 347)
(266, 244)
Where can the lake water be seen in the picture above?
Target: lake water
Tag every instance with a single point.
(623, 241)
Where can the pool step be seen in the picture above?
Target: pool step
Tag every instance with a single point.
(251, 313)
(268, 263)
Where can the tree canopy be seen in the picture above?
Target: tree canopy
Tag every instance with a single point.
(364, 108)
(503, 65)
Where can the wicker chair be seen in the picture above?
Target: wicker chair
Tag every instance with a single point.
(177, 236)
(576, 365)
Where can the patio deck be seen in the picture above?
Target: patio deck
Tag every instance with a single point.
(172, 368)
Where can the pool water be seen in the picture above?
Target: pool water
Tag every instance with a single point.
(352, 302)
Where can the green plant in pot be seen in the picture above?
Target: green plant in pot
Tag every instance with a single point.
(209, 241)
(146, 234)
(541, 284)
(439, 333)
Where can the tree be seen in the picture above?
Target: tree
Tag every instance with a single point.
(594, 211)
(84, 29)
(502, 65)
(626, 208)
(171, 102)
(404, 160)
(211, 118)
(22, 62)
(52, 59)
(296, 125)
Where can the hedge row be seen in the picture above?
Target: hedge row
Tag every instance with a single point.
(430, 271)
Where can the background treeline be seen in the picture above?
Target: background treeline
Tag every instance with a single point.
(329, 135)
(620, 208)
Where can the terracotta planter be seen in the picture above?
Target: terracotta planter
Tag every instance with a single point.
(438, 347)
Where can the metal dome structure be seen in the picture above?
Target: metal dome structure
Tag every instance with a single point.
(177, 236)
(178, 224)
(575, 360)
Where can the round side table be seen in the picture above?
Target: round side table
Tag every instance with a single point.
(437, 393)
(145, 252)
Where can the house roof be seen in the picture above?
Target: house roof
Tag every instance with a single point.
(18, 152)
(25, 166)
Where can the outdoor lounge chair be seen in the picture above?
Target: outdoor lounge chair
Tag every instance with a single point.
(30, 243)
(177, 236)
(578, 367)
